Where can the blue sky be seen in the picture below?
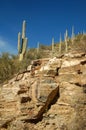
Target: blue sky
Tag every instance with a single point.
(44, 18)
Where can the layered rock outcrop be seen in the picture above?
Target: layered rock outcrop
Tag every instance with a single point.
(50, 95)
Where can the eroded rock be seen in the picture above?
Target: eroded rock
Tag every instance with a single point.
(50, 94)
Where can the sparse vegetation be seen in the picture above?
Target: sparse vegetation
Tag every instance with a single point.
(10, 64)
(7, 67)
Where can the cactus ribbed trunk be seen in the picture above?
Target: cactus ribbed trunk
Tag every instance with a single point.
(38, 47)
(60, 44)
(22, 42)
(23, 29)
(21, 57)
(73, 35)
(66, 41)
(52, 44)
(19, 37)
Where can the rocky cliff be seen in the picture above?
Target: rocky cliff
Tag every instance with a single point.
(49, 95)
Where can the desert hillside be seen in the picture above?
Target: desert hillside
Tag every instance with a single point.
(50, 93)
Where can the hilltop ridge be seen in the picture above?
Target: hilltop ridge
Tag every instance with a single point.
(10, 65)
(50, 94)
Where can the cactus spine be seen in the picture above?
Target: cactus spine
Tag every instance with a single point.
(22, 42)
(66, 41)
(60, 44)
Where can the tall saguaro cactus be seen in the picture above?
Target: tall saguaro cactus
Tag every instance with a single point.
(73, 35)
(22, 42)
(66, 41)
(52, 44)
(60, 44)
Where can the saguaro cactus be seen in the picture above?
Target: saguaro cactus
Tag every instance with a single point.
(73, 35)
(22, 42)
(60, 44)
(52, 44)
(66, 41)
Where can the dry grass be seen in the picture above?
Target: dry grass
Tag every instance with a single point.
(9, 64)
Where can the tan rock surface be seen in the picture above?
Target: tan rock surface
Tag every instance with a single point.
(50, 95)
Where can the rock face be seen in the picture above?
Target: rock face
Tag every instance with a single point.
(50, 95)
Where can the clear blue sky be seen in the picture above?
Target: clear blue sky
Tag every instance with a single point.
(44, 18)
